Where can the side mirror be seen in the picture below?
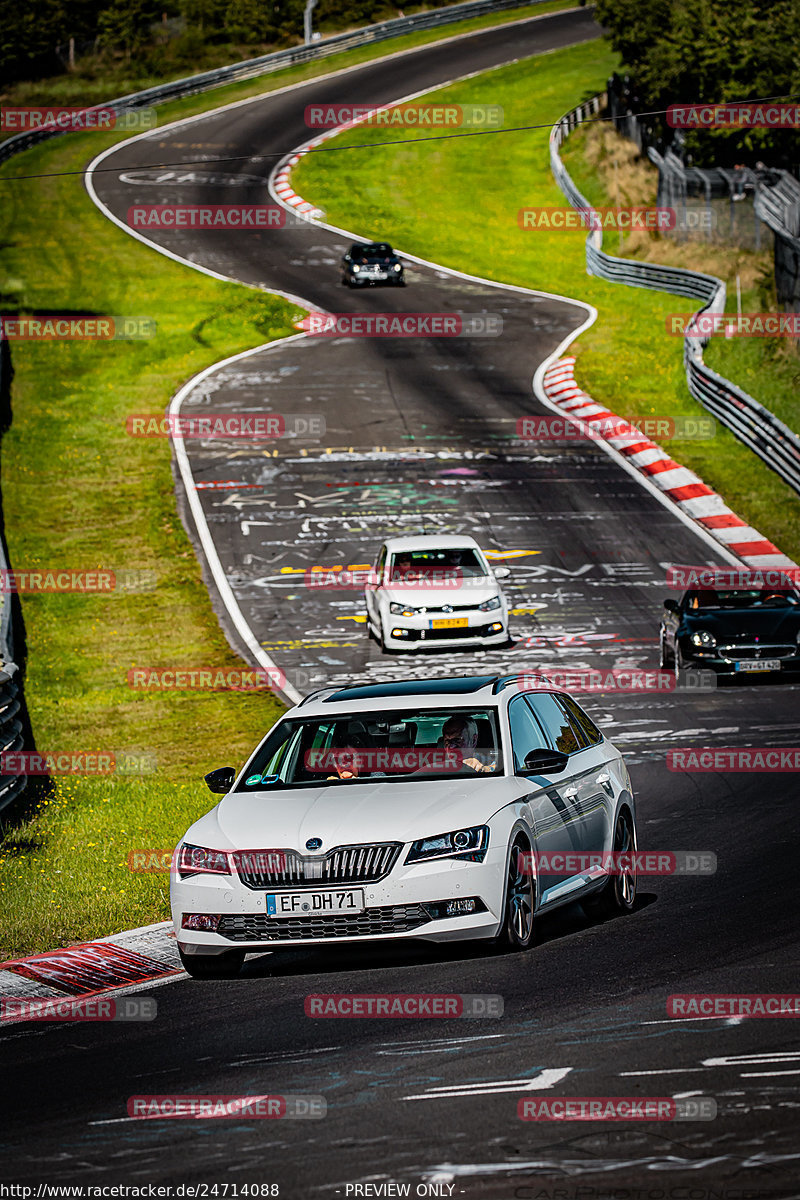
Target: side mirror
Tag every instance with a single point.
(220, 781)
(347, 258)
(501, 573)
(545, 762)
(672, 606)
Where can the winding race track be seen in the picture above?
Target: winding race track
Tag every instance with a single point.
(420, 435)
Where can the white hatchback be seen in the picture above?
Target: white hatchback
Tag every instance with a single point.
(443, 809)
(429, 591)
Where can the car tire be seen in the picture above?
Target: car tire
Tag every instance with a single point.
(519, 909)
(665, 659)
(618, 896)
(678, 666)
(212, 966)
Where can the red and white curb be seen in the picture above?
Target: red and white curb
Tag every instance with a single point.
(122, 963)
(678, 484)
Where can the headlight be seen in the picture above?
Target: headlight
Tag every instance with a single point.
(470, 844)
(404, 610)
(488, 605)
(196, 860)
(703, 638)
(356, 267)
(397, 267)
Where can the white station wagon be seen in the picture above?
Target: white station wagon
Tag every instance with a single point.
(446, 809)
(430, 591)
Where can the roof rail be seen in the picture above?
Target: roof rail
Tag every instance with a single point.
(318, 692)
(503, 681)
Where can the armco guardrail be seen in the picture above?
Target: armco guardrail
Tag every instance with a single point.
(10, 726)
(267, 63)
(753, 424)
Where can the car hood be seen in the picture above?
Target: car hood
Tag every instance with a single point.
(350, 814)
(472, 594)
(766, 624)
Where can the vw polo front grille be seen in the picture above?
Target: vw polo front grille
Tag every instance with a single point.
(346, 864)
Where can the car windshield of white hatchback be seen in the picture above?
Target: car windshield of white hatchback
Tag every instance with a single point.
(419, 745)
(742, 598)
(426, 566)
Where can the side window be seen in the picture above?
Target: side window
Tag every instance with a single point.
(526, 732)
(592, 735)
(556, 722)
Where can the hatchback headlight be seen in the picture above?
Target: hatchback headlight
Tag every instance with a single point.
(488, 605)
(197, 860)
(397, 267)
(403, 610)
(702, 637)
(356, 267)
(470, 844)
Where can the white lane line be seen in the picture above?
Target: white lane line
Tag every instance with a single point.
(541, 1082)
(769, 1058)
(765, 1074)
(665, 1071)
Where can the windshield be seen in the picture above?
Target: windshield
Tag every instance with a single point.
(739, 598)
(391, 746)
(410, 566)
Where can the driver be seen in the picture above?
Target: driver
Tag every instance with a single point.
(461, 733)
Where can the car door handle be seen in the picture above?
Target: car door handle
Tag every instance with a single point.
(570, 792)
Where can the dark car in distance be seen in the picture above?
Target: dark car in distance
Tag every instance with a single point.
(368, 263)
(734, 632)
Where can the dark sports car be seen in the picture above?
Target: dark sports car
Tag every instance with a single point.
(732, 632)
(367, 263)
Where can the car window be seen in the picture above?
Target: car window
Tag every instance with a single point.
(526, 732)
(582, 721)
(392, 745)
(556, 722)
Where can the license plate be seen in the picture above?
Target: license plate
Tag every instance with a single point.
(375, 273)
(450, 623)
(305, 904)
(758, 664)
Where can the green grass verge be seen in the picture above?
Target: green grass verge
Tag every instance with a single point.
(456, 202)
(78, 491)
(94, 83)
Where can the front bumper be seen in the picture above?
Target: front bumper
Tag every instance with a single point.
(490, 629)
(395, 908)
(723, 660)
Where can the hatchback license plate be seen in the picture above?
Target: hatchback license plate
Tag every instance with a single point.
(758, 664)
(302, 904)
(450, 623)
